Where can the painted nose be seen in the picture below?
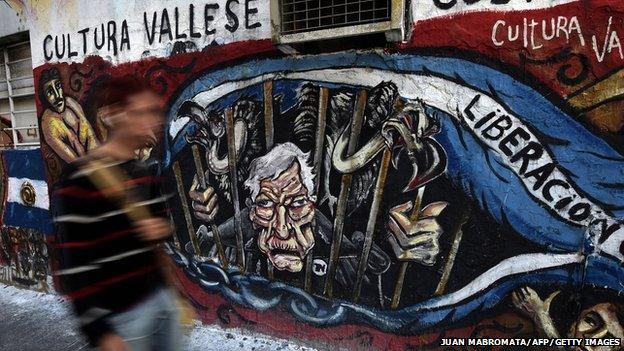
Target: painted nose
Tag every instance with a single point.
(281, 228)
(57, 93)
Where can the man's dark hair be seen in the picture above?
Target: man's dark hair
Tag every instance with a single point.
(117, 90)
(46, 76)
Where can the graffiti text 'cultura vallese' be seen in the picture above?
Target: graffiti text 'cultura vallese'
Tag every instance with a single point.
(207, 21)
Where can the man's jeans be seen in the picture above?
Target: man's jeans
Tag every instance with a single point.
(153, 324)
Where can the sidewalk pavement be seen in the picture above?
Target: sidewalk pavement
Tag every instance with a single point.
(36, 321)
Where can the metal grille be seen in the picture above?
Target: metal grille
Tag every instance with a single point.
(17, 98)
(309, 15)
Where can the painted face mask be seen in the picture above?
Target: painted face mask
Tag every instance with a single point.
(54, 95)
(283, 212)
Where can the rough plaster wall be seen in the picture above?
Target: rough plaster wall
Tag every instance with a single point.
(11, 21)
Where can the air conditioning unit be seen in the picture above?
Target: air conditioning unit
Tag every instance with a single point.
(297, 21)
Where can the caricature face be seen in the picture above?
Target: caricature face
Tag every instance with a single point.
(54, 95)
(283, 211)
(599, 322)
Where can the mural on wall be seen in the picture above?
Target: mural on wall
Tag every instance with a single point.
(63, 123)
(25, 220)
(452, 186)
(24, 258)
(358, 147)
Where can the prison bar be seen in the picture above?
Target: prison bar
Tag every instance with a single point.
(185, 209)
(450, 260)
(398, 287)
(203, 183)
(248, 259)
(307, 281)
(372, 222)
(270, 270)
(318, 163)
(341, 207)
(231, 141)
(268, 114)
(268, 135)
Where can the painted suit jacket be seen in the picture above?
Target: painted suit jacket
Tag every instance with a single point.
(345, 278)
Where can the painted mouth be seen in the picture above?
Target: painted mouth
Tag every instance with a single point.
(286, 260)
(284, 252)
(289, 245)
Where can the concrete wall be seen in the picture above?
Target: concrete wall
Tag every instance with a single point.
(502, 119)
(11, 20)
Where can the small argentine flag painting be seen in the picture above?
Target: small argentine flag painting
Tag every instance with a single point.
(27, 202)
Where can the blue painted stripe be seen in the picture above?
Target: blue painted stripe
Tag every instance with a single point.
(18, 215)
(262, 294)
(24, 164)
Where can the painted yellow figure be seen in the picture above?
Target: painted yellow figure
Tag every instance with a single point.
(63, 123)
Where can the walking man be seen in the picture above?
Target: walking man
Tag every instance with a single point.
(107, 254)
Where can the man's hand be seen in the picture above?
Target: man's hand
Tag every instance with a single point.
(153, 229)
(416, 240)
(113, 342)
(528, 301)
(205, 206)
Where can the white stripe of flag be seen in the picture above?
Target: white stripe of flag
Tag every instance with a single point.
(42, 200)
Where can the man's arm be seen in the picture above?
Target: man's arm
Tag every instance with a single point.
(86, 135)
(529, 302)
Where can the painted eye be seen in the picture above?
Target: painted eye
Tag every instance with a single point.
(593, 319)
(265, 203)
(298, 203)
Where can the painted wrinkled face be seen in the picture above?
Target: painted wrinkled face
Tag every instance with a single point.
(599, 322)
(54, 95)
(283, 211)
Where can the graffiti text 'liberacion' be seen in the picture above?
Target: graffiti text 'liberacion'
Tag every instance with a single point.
(524, 153)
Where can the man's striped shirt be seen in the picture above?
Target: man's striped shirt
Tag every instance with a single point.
(104, 268)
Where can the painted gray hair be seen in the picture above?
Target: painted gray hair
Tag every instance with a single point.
(276, 161)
